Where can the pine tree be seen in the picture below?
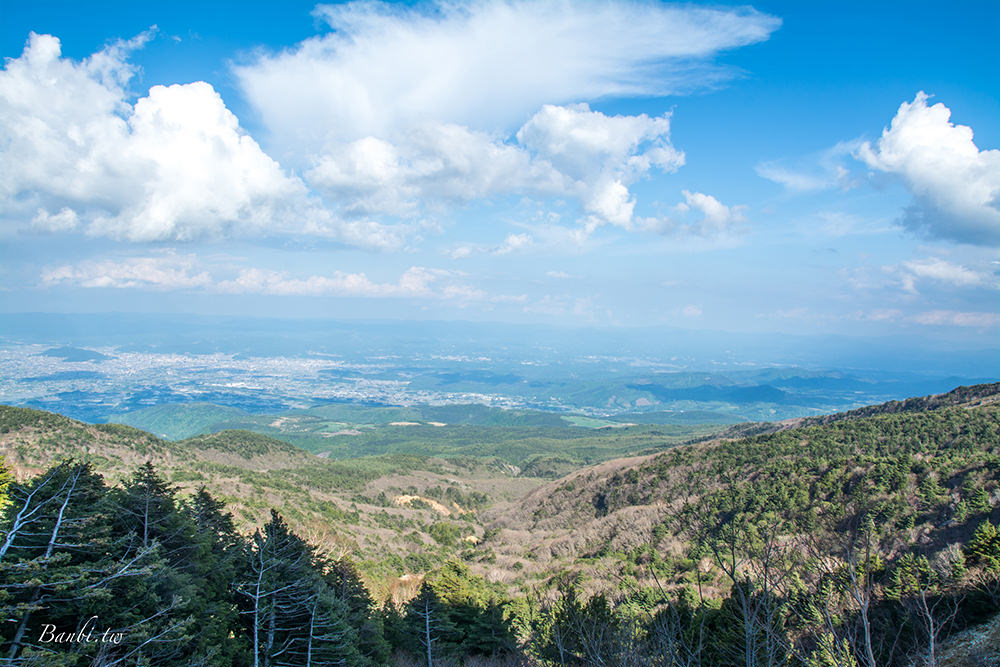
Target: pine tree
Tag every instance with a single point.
(984, 547)
(431, 632)
(5, 479)
(213, 562)
(345, 582)
(290, 612)
(61, 555)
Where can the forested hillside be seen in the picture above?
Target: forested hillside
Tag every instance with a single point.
(876, 531)
(870, 540)
(394, 513)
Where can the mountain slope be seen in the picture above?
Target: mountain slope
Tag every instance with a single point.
(341, 506)
(929, 471)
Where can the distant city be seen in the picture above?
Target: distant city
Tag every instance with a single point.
(92, 368)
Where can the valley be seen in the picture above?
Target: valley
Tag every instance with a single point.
(547, 520)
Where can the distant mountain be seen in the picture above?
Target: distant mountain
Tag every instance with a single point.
(980, 394)
(545, 442)
(176, 421)
(67, 353)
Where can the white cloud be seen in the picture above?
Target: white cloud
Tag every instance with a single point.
(403, 109)
(416, 281)
(956, 186)
(911, 274)
(712, 219)
(166, 272)
(513, 243)
(64, 220)
(569, 150)
(485, 65)
(821, 171)
(397, 112)
(601, 155)
(939, 270)
(958, 318)
(581, 142)
(171, 272)
(435, 163)
(690, 310)
(880, 315)
(175, 165)
(716, 216)
(463, 251)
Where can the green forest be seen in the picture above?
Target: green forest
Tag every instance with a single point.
(866, 539)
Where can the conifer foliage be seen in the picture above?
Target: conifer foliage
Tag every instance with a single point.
(850, 544)
(91, 575)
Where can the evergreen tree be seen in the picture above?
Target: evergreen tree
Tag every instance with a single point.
(473, 612)
(362, 614)
(289, 611)
(214, 563)
(62, 557)
(984, 547)
(5, 479)
(429, 629)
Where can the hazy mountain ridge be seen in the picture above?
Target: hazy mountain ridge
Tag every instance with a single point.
(93, 367)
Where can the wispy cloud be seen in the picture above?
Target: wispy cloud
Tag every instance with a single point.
(958, 319)
(485, 65)
(513, 243)
(400, 110)
(164, 272)
(175, 272)
(821, 171)
(911, 274)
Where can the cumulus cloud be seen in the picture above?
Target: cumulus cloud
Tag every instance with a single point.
(956, 186)
(403, 108)
(716, 216)
(700, 215)
(601, 155)
(569, 150)
(433, 162)
(398, 111)
(175, 165)
(63, 220)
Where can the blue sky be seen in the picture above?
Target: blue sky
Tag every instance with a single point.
(789, 167)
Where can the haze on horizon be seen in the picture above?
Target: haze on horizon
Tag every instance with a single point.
(782, 168)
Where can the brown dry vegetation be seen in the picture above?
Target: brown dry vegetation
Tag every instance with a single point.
(338, 509)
